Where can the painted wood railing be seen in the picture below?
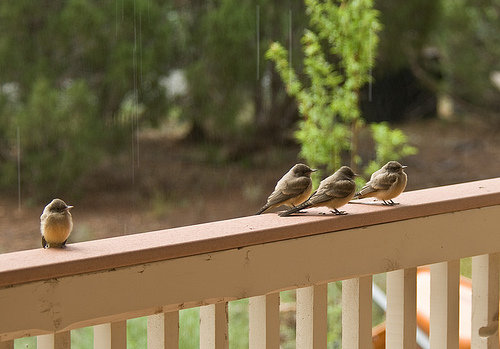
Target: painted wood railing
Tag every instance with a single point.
(103, 283)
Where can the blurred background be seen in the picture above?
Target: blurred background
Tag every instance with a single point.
(148, 114)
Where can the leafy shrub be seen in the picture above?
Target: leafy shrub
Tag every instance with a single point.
(60, 138)
(339, 53)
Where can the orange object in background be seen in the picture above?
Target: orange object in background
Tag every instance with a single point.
(423, 310)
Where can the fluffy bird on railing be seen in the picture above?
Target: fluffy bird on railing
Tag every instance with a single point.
(386, 183)
(333, 192)
(292, 189)
(56, 224)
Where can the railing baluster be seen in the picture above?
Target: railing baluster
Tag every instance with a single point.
(60, 340)
(444, 321)
(163, 331)
(111, 335)
(312, 326)
(357, 313)
(7, 345)
(213, 326)
(401, 316)
(264, 322)
(484, 322)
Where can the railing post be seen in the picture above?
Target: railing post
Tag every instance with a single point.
(312, 317)
(163, 331)
(264, 322)
(484, 333)
(111, 335)
(60, 340)
(7, 345)
(401, 317)
(444, 317)
(213, 326)
(357, 313)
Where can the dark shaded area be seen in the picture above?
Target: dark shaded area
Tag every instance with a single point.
(397, 96)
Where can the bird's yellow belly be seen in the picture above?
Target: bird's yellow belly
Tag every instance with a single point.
(338, 202)
(57, 232)
(393, 191)
(297, 200)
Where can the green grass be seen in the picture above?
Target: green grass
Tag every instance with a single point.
(189, 328)
(466, 267)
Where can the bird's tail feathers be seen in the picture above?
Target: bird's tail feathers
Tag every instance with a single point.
(263, 208)
(364, 191)
(297, 208)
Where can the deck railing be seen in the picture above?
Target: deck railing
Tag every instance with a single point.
(103, 283)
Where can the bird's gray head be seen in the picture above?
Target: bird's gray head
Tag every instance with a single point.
(346, 171)
(394, 166)
(58, 206)
(301, 170)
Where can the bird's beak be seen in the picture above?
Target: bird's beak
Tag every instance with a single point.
(404, 166)
(69, 207)
(356, 175)
(314, 169)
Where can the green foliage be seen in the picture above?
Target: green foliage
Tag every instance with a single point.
(225, 33)
(59, 137)
(406, 31)
(470, 46)
(116, 47)
(339, 52)
(75, 76)
(390, 144)
(233, 92)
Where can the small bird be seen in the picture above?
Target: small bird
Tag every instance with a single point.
(333, 192)
(292, 189)
(56, 224)
(385, 184)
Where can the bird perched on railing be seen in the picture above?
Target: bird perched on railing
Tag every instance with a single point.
(292, 189)
(56, 224)
(333, 192)
(385, 184)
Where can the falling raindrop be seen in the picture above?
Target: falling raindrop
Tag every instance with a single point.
(258, 39)
(116, 19)
(290, 44)
(140, 44)
(18, 170)
(370, 60)
(136, 94)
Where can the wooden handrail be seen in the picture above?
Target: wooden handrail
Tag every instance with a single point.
(91, 256)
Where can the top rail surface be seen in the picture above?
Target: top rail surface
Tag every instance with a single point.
(97, 255)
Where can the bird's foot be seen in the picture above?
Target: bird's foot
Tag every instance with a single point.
(338, 213)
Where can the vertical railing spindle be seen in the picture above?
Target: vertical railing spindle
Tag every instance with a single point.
(484, 333)
(312, 317)
(60, 340)
(357, 313)
(163, 331)
(214, 326)
(7, 345)
(401, 316)
(444, 322)
(111, 335)
(264, 322)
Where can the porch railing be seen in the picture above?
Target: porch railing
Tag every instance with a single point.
(103, 283)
